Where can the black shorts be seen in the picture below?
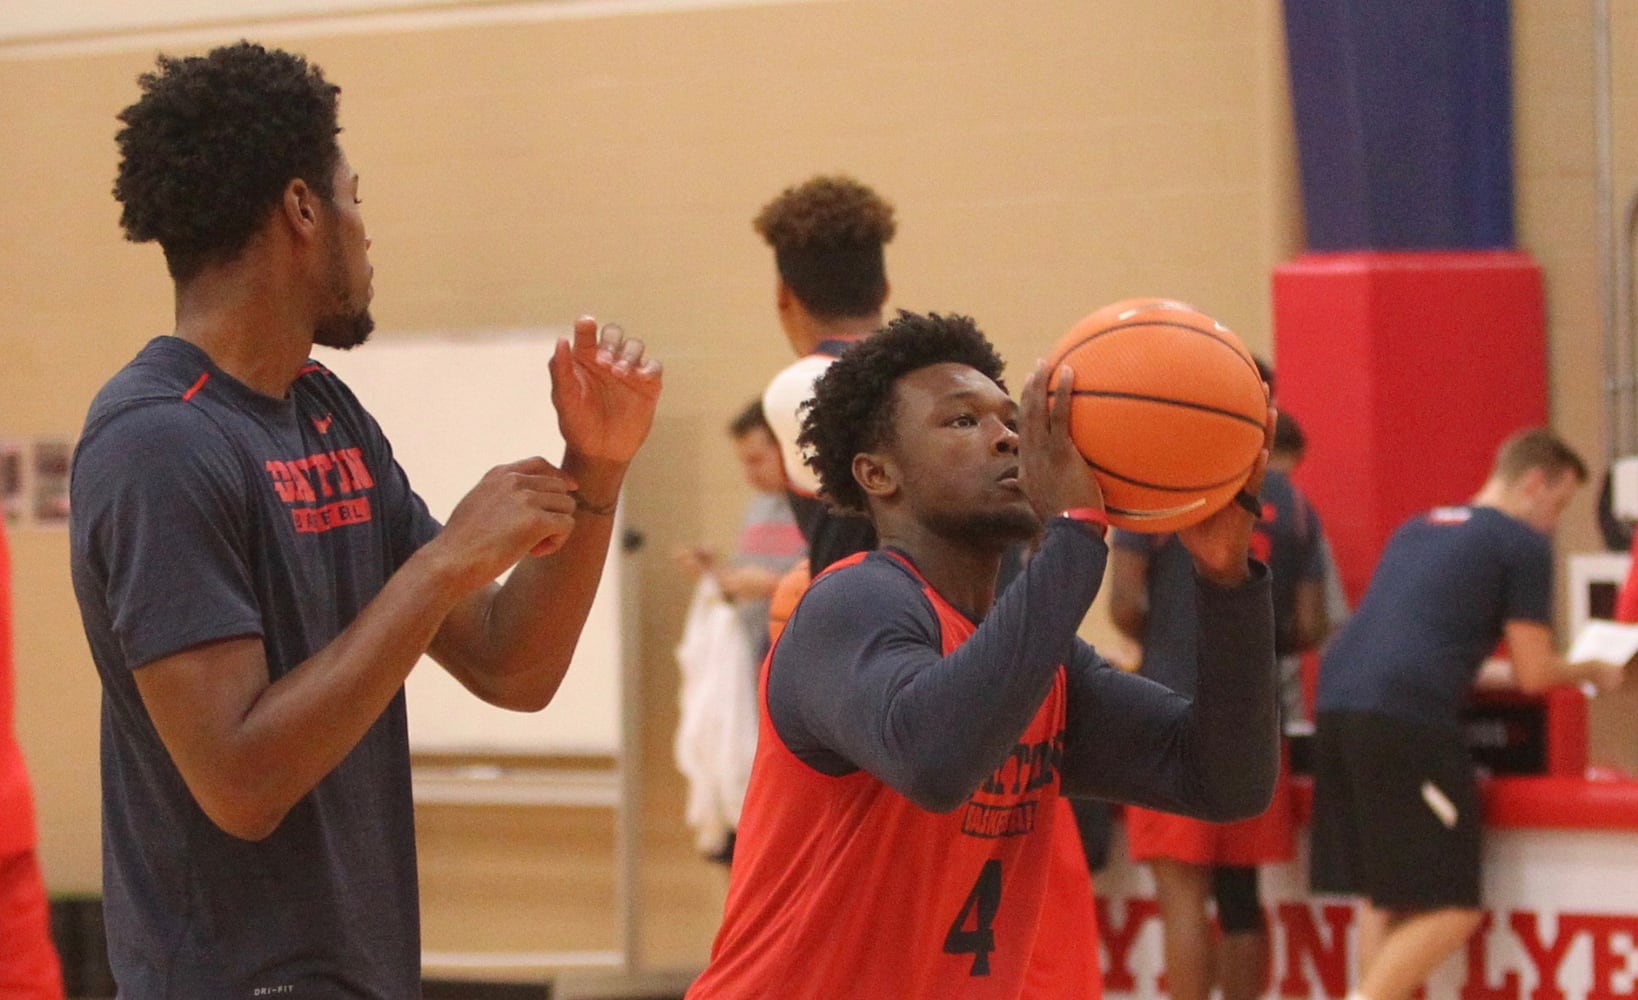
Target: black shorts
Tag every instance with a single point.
(1396, 813)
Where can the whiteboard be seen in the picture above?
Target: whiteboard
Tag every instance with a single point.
(454, 406)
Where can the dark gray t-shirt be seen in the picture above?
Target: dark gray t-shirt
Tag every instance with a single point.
(203, 510)
(1439, 601)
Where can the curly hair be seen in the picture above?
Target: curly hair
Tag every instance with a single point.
(827, 236)
(207, 151)
(854, 402)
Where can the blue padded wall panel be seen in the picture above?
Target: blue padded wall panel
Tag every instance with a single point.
(1403, 112)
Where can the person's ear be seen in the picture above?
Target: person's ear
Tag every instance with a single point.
(876, 473)
(1534, 482)
(300, 206)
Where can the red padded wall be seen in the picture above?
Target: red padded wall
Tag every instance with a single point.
(1406, 370)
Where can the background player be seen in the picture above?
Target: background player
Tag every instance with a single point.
(770, 542)
(1396, 803)
(1194, 862)
(720, 654)
(29, 967)
(827, 235)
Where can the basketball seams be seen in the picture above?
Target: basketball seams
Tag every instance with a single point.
(1197, 488)
(1166, 401)
(1211, 335)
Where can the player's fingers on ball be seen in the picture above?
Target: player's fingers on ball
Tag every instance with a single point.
(1259, 467)
(1030, 408)
(1063, 394)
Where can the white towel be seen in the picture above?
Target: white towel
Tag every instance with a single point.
(716, 731)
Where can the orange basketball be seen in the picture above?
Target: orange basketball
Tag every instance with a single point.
(1168, 410)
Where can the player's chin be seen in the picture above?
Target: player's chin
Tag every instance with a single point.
(1007, 525)
(344, 331)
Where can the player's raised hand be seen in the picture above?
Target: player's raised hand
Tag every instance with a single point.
(1221, 543)
(604, 391)
(517, 508)
(1052, 471)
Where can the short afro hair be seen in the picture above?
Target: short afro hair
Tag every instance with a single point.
(827, 236)
(207, 151)
(854, 402)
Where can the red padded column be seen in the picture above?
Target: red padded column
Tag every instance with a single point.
(1406, 370)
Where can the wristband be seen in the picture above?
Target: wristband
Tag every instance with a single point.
(601, 510)
(1089, 516)
(1250, 503)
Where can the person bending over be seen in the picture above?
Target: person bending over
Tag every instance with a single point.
(1396, 800)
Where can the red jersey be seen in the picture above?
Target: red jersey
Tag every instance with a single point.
(1626, 599)
(1066, 961)
(842, 887)
(16, 802)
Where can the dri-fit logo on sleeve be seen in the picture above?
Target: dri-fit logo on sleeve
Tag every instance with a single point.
(325, 490)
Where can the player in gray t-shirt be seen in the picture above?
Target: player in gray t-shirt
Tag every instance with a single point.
(257, 578)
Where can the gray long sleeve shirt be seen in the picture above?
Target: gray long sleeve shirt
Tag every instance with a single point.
(859, 681)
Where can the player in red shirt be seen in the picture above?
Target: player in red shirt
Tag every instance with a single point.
(29, 969)
(918, 732)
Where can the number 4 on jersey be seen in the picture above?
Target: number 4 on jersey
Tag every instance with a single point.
(978, 940)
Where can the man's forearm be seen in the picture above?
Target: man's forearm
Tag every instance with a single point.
(958, 721)
(530, 626)
(1236, 704)
(223, 722)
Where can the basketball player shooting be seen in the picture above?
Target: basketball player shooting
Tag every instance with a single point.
(917, 731)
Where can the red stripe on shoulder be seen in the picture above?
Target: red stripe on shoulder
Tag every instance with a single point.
(311, 367)
(196, 387)
(850, 560)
